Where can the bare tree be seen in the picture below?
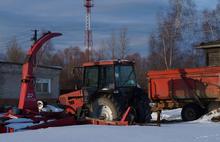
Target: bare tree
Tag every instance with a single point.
(112, 45)
(46, 53)
(58, 59)
(68, 59)
(155, 57)
(123, 43)
(168, 43)
(102, 52)
(210, 23)
(14, 52)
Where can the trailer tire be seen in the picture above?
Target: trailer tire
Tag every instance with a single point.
(106, 108)
(191, 112)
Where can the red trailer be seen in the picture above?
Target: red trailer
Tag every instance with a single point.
(195, 90)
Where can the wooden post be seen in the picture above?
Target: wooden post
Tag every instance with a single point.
(158, 117)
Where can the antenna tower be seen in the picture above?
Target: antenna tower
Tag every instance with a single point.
(88, 30)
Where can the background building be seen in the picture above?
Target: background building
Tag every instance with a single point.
(212, 51)
(47, 83)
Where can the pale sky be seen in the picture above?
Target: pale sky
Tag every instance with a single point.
(19, 17)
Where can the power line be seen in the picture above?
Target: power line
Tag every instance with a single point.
(26, 36)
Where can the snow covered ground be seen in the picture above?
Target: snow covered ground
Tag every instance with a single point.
(183, 132)
(201, 130)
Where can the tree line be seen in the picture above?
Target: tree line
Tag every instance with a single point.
(171, 44)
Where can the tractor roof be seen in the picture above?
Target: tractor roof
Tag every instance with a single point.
(108, 62)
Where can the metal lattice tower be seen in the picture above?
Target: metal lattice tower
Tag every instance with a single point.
(88, 30)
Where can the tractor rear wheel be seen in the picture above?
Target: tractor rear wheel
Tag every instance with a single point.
(1, 109)
(143, 110)
(105, 108)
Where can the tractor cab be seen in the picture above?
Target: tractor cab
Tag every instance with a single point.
(109, 75)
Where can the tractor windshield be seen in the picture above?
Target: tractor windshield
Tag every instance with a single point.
(125, 76)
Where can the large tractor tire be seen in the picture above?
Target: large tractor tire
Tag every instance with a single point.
(2, 109)
(106, 108)
(191, 112)
(143, 110)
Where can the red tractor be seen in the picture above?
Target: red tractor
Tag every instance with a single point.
(109, 89)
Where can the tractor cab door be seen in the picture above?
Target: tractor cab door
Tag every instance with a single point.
(90, 82)
(106, 78)
(125, 76)
(125, 79)
(99, 78)
(91, 76)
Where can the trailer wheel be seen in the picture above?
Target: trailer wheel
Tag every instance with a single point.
(191, 112)
(105, 108)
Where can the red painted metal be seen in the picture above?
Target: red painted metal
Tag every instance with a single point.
(69, 121)
(27, 100)
(3, 129)
(125, 115)
(108, 62)
(104, 122)
(66, 121)
(57, 121)
(184, 84)
(73, 101)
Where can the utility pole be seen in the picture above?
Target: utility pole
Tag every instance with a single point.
(88, 4)
(34, 38)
